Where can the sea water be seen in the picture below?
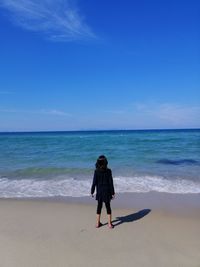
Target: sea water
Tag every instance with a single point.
(58, 164)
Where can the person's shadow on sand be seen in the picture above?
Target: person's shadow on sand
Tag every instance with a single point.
(131, 217)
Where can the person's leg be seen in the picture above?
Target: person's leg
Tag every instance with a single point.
(109, 213)
(99, 208)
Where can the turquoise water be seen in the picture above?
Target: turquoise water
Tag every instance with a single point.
(55, 164)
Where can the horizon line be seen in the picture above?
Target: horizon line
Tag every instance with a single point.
(99, 130)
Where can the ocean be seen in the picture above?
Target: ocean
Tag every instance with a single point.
(60, 164)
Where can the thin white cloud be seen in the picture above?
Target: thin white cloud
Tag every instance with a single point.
(6, 92)
(53, 112)
(115, 112)
(8, 111)
(175, 114)
(178, 113)
(154, 115)
(59, 20)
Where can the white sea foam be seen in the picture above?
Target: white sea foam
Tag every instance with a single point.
(24, 188)
(156, 183)
(43, 188)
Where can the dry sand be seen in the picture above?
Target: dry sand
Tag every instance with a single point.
(61, 234)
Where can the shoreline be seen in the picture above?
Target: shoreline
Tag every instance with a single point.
(184, 204)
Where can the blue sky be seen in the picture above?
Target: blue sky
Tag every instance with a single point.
(85, 64)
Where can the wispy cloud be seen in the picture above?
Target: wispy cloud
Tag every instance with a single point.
(155, 115)
(52, 112)
(172, 113)
(59, 20)
(6, 92)
(116, 112)
(178, 113)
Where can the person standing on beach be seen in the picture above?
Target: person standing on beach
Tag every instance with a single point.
(103, 182)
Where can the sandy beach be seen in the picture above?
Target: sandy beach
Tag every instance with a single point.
(62, 233)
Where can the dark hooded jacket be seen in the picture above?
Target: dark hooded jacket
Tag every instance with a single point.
(103, 182)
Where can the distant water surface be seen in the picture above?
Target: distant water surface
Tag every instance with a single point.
(52, 164)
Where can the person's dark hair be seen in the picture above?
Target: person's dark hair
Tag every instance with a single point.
(101, 162)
